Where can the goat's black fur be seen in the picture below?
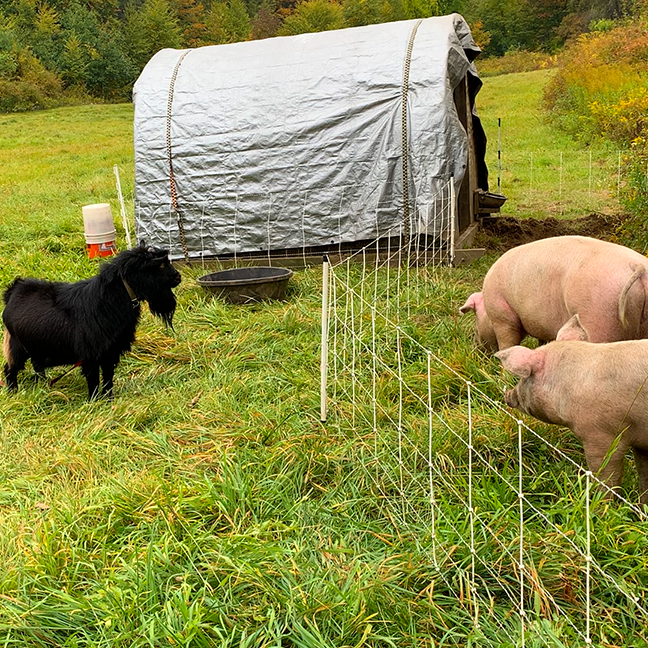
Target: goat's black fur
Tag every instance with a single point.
(91, 322)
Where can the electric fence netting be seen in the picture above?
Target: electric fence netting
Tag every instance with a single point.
(480, 518)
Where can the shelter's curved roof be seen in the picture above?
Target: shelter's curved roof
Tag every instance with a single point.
(298, 140)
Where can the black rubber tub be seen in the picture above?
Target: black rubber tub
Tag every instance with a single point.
(245, 285)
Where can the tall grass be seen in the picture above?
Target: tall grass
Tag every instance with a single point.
(516, 61)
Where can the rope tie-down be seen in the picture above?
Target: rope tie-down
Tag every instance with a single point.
(172, 181)
(404, 147)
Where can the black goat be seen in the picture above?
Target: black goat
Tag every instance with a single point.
(90, 322)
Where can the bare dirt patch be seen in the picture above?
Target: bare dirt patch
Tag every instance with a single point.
(501, 233)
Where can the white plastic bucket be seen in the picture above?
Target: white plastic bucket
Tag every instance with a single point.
(99, 229)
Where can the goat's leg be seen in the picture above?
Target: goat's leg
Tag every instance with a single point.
(16, 357)
(107, 374)
(39, 369)
(91, 372)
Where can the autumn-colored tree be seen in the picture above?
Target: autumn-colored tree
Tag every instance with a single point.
(25, 83)
(479, 34)
(285, 8)
(191, 20)
(267, 22)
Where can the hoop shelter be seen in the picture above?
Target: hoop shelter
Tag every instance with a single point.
(307, 141)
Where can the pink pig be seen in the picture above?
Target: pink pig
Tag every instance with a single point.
(599, 391)
(535, 288)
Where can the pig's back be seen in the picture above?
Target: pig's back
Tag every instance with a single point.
(547, 281)
(608, 381)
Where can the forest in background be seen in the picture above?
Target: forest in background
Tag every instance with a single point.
(55, 52)
(66, 51)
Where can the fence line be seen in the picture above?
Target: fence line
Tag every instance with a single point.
(385, 383)
(575, 182)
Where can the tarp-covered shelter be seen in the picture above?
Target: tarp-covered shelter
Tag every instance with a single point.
(303, 141)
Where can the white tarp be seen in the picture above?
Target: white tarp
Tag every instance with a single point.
(297, 141)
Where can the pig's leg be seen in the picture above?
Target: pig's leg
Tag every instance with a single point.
(609, 471)
(603, 327)
(509, 333)
(641, 461)
(506, 324)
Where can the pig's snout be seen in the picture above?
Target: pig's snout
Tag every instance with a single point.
(511, 398)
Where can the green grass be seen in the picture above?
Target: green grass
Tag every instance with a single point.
(54, 162)
(207, 505)
(542, 171)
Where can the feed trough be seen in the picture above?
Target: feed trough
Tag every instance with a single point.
(244, 285)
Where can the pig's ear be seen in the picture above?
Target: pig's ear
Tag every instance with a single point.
(521, 361)
(475, 301)
(573, 330)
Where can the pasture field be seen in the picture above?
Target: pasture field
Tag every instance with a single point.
(207, 505)
(542, 172)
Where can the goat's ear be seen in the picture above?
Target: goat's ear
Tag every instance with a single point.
(142, 244)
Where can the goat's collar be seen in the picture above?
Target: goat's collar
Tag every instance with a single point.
(131, 293)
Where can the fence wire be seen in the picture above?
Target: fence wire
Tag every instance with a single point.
(521, 574)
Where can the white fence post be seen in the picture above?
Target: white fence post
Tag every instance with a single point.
(324, 356)
(122, 207)
(521, 547)
(588, 559)
(453, 221)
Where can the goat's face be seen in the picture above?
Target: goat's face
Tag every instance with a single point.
(152, 277)
(166, 274)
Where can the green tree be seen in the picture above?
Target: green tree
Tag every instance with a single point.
(39, 28)
(95, 53)
(228, 23)
(237, 21)
(421, 8)
(363, 12)
(151, 28)
(74, 62)
(314, 16)
(111, 75)
(508, 24)
(215, 32)
(9, 48)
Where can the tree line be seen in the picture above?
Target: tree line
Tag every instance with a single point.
(78, 49)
